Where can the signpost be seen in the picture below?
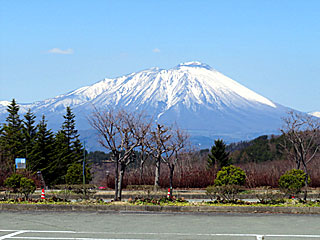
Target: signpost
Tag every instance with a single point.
(20, 163)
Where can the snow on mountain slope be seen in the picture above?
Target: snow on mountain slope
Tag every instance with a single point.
(316, 114)
(191, 84)
(195, 96)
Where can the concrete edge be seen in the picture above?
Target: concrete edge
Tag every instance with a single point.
(178, 195)
(156, 208)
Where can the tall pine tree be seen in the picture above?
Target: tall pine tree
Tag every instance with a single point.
(74, 146)
(29, 134)
(11, 138)
(69, 149)
(218, 155)
(57, 169)
(43, 149)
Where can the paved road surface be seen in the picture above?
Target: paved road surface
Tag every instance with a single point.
(89, 226)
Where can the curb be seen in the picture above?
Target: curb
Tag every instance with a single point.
(160, 209)
(178, 195)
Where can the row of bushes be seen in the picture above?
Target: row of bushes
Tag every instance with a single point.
(20, 185)
(227, 184)
(230, 180)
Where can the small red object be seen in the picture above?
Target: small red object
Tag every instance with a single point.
(42, 194)
(168, 193)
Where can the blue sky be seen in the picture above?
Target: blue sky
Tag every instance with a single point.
(52, 47)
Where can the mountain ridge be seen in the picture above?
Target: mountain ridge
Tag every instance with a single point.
(193, 95)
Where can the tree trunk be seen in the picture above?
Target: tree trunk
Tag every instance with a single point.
(298, 164)
(157, 175)
(122, 170)
(141, 172)
(171, 167)
(116, 179)
(305, 182)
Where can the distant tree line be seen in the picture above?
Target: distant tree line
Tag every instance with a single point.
(261, 149)
(58, 156)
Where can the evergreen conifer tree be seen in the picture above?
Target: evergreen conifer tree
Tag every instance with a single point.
(69, 128)
(5, 165)
(69, 149)
(29, 134)
(11, 138)
(74, 146)
(57, 168)
(43, 150)
(218, 155)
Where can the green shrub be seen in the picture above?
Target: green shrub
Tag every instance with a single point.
(75, 174)
(292, 182)
(13, 182)
(227, 184)
(20, 184)
(27, 186)
(230, 175)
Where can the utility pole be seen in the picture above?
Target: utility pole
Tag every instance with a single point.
(84, 168)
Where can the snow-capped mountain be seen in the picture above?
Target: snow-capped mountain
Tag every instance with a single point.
(315, 114)
(193, 95)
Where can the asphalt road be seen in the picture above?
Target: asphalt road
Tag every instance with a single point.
(89, 226)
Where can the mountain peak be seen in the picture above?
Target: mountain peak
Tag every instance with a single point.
(5, 103)
(193, 95)
(195, 64)
(315, 114)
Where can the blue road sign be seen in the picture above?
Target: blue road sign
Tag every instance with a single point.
(20, 163)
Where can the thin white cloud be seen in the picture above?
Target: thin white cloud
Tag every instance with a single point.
(156, 50)
(61, 51)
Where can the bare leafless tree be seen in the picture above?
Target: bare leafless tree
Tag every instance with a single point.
(121, 132)
(159, 136)
(143, 157)
(302, 133)
(172, 149)
(144, 131)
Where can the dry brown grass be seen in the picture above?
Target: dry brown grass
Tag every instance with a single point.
(195, 174)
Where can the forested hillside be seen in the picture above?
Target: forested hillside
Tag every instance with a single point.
(261, 149)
